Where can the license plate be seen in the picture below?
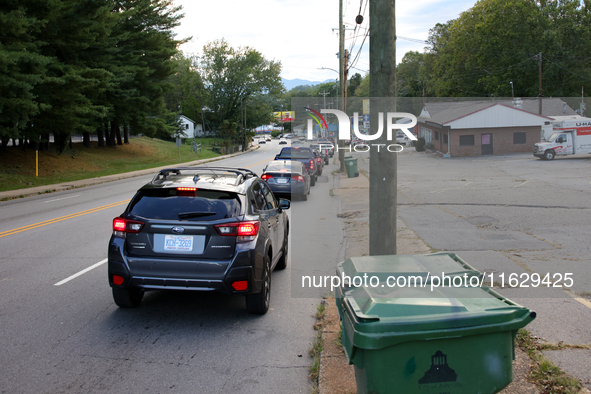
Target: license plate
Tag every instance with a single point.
(282, 180)
(178, 242)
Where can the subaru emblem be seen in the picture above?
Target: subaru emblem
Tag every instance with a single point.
(178, 230)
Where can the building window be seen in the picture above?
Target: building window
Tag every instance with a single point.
(445, 138)
(519, 138)
(466, 140)
(187, 126)
(437, 136)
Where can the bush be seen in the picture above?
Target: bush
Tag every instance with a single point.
(420, 144)
(429, 146)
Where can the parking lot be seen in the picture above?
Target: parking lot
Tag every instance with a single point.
(514, 217)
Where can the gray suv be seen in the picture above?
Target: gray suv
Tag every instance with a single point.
(203, 229)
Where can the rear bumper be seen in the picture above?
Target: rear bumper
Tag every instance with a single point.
(288, 189)
(181, 273)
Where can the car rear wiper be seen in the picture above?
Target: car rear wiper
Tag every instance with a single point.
(188, 215)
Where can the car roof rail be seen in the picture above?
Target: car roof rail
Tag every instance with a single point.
(242, 174)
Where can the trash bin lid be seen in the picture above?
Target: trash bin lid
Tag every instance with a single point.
(385, 316)
(424, 266)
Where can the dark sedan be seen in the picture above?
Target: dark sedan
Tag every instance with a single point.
(287, 178)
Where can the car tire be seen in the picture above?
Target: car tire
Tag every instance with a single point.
(259, 303)
(304, 197)
(282, 263)
(326, 161)
(130, 297)
(313, 180)
(549, 154)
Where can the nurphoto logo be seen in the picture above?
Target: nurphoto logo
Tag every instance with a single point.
(344, 132)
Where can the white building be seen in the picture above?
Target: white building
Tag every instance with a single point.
(189, 128)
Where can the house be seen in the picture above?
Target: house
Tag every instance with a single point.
(188, 127)
(471, 128)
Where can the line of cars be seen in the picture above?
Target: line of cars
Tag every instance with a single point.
(209, 229)
(296, 168)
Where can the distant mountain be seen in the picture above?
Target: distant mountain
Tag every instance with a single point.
(292, 83)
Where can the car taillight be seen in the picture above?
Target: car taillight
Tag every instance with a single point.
(240, 285)
(264, 177)
(298, 178)
(122, 226)
(318, 159)
(186, 191)
(311, 164)
(243, 231)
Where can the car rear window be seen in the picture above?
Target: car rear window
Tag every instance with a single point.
(173, 204)
(281, 167)
(301, 153)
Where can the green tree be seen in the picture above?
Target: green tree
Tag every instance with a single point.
(411, 78)
(21, 66)
(352, 84)
(363, 88)
(497, 42)
(232, 76)
(71, 36)
(145, 54)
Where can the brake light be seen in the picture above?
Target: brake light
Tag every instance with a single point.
(318, 159)
(298, 178)
(122, 226)
(311, 164)
(264, 177)
(243, 231)
(118, 280)
(186, 191)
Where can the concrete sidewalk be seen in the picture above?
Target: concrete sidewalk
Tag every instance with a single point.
(336, 375)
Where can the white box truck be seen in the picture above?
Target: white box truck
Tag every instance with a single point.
(570, 137)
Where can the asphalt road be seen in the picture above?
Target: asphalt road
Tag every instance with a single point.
(62, 333)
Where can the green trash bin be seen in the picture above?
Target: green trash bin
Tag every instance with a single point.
(358, 271)
(351, 164)
(418, 340)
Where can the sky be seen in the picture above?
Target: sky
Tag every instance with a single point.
(303, 34)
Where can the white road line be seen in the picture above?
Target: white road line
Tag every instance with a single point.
(521, 184)
(57, 199)
(81, 272)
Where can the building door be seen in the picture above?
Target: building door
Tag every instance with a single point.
(486, 144)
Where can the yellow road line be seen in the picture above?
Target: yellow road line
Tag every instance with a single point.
(59, 219)
(577, 298)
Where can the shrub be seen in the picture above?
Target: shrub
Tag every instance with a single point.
(420, 144)
(429, 146)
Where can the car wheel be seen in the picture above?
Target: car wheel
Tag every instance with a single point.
(127, 297)
(259, 303)
(326, 161)
(305, 196)
(549, 154)
(313, 180)
(282, 263)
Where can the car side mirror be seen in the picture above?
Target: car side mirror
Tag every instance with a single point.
(284, 204)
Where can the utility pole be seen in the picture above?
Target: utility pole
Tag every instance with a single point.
(540, 76)
(324, 95)
(382, 164)
(342, 65)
